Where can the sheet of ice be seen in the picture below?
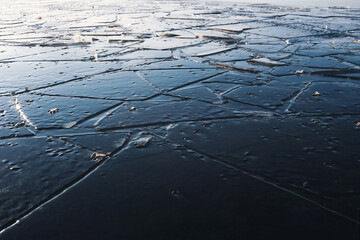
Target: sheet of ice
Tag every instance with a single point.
(270, 91)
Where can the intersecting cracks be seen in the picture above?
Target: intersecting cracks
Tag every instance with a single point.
(120, 53)
(138, 73)
(70, 80)
(293, 100)
(64, 137)
(346, 60)
(250, 104)
(195, 81)
(225, 99)
(85, 60)
(147, 81)
(70, 184)
(74, 127)
(164, 68)
(162, 123)
(173, 48)
(229, 90)
(102, 114)
(106, 114)
(81, 78)
(106, 110)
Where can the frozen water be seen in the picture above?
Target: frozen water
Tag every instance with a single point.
(198, 93)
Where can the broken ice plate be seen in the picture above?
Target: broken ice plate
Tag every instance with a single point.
(99, 156)
(212, 52)
(115, 39)
(168, 34)
(233, 28)
(142, 142)
(212, 36)
(266, 61)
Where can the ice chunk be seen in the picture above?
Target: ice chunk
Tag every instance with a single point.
(234, 28)
(212, 52)
(266, 61)
(142, 142)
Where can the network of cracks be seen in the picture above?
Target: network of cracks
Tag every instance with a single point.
(266, 91)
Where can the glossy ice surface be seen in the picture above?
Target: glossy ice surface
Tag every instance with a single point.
(186, 120)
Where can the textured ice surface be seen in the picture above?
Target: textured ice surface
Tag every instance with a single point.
(270, 92)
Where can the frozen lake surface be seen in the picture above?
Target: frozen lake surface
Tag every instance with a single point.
(311, 3)
(185, 119)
